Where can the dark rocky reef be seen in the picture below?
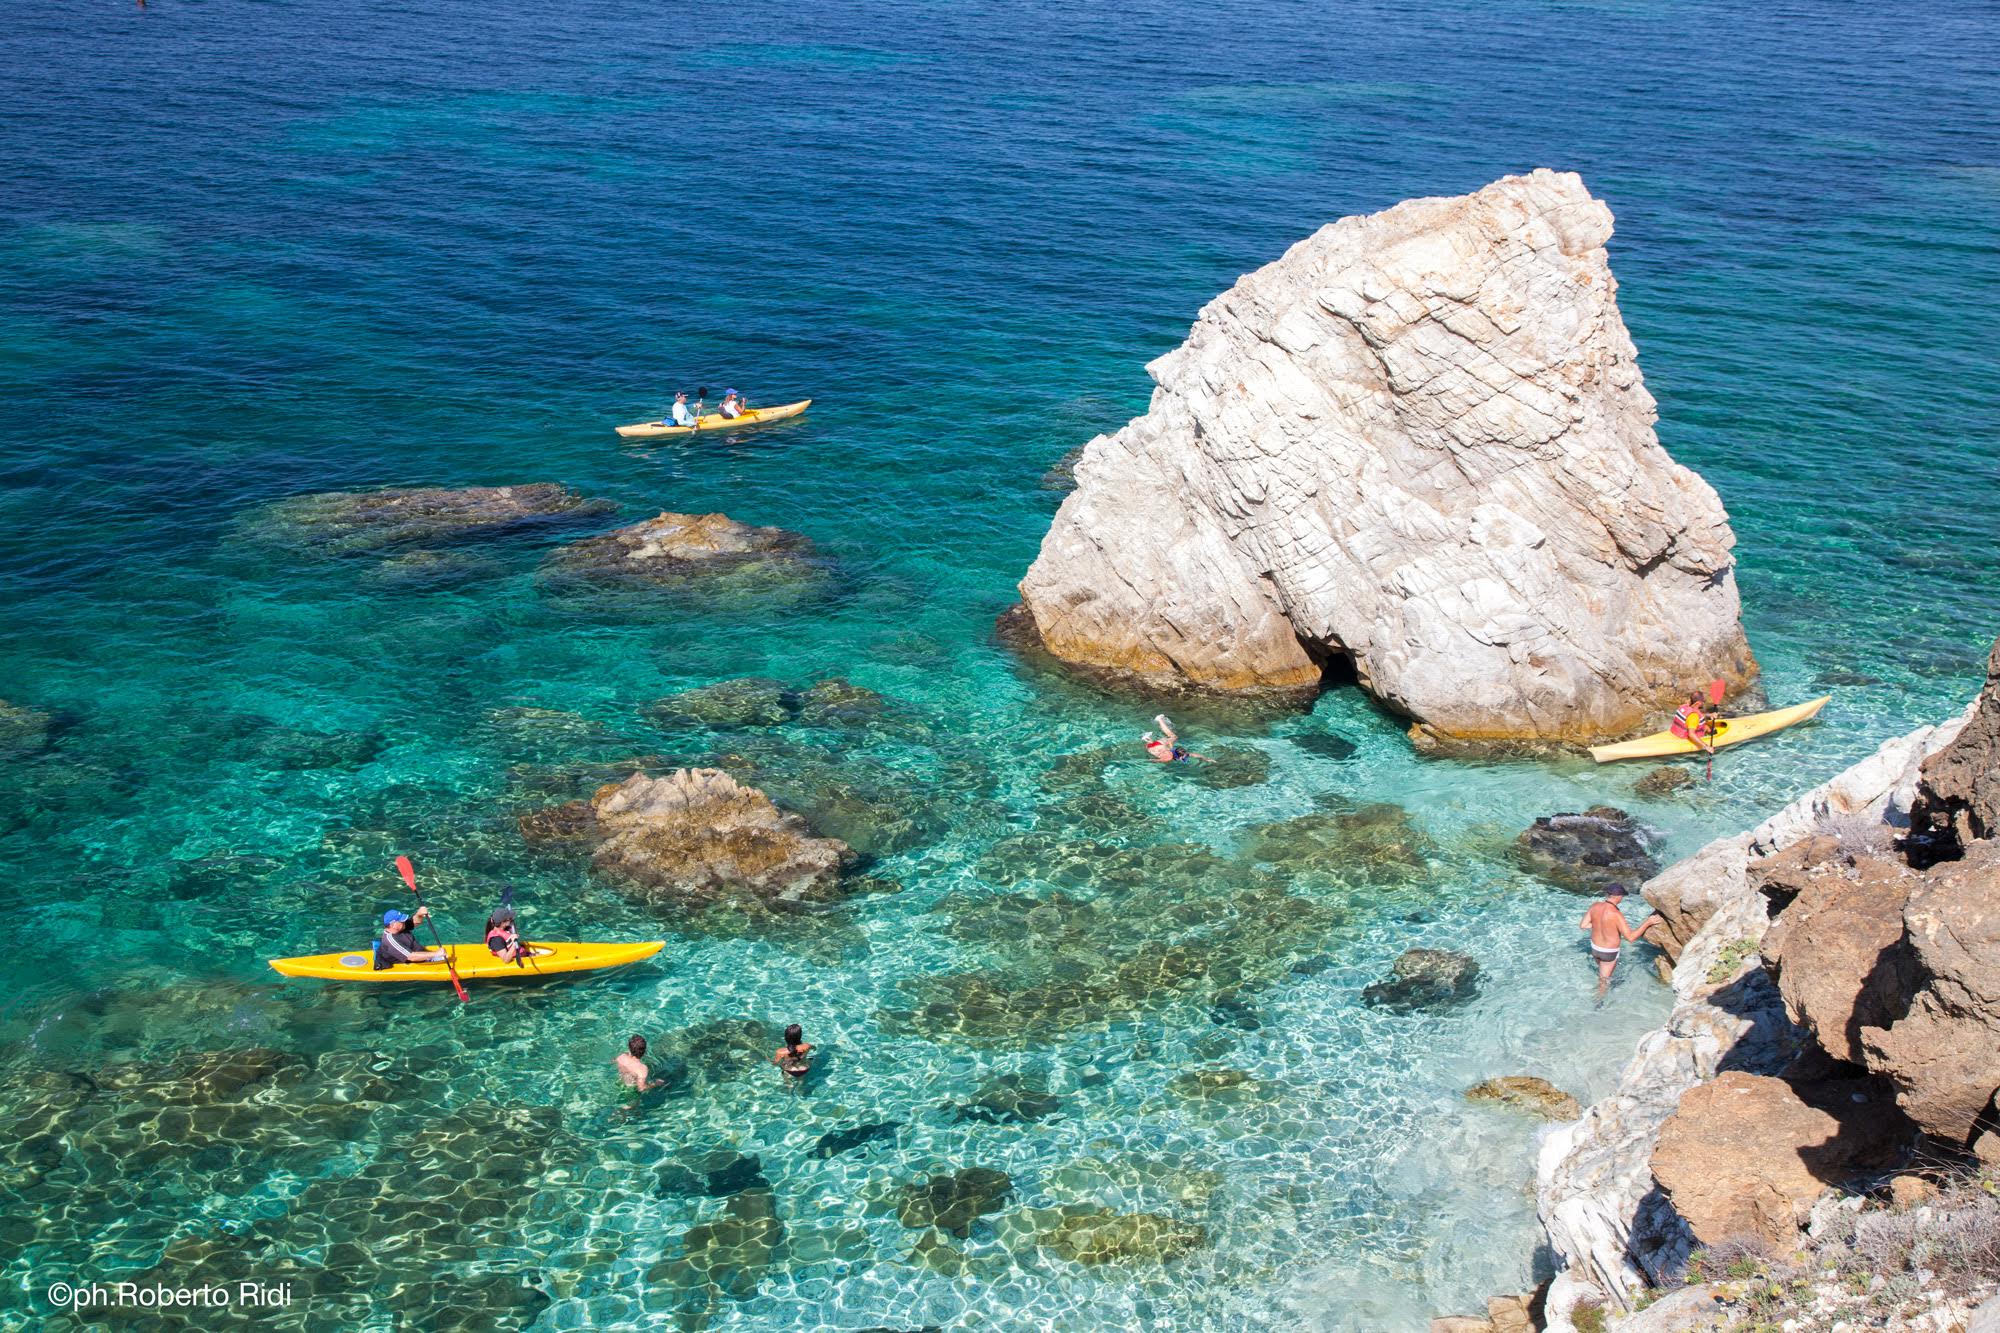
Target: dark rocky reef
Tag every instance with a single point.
(1161, 924)
(711, 557)
(369, 522)
(1425, 979)
(952, 1203)
(1586, 852)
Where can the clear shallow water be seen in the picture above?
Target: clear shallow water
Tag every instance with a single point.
(259, 252)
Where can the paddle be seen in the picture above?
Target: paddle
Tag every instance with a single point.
(700, 402)
(409, 875)
(1716, 689)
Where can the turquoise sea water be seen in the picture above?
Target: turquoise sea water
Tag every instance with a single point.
(248, 252)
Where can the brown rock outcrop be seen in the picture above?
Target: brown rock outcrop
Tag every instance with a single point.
(1833, 949)
(1958, 798)
(1535, 1095)
(696, 837)
(674, 546)
(1746, 1155)
(1944, 1053)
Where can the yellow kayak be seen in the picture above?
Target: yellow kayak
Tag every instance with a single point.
(1728, 731)
(475, 962)
(756, 416)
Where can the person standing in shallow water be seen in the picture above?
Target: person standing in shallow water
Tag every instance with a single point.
(1609, 932)
(795, 1056)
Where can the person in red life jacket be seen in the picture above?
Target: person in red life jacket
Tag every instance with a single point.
(1692, 724)
(500, 936)
(1166, 748)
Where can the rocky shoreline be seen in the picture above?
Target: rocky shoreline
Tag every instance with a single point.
(1838, 976)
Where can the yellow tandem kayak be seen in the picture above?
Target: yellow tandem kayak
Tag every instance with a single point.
(756, 416)
(475, 962)
(1728, 731)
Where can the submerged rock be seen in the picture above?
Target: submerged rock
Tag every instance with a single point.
(1095, 1178)
(22, 730)
(717, 1051)
(388, 1176)
(953, 1203)
(1417, 443)
(1425, 979)
(1011, 1099)
(1161, 924)
(716, 1174)
(1529, 1094)
(751, 701)
(362, 522)
(1663, 781)
(875, 810)
(1324, 744)
(836, 1142)
(1233, 766)
(731, 1254)
(1100, 1236)
(696, 837)
(1372, 844)
(1098, 814)
(1584, 853)
(1230, 1009)
(1061, 474)
(420, 571)
(759, 703)
(678, 549)
(1084, 770)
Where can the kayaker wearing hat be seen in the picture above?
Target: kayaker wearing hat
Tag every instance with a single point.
(397, 943)
(732, 405)
(683, 416)
(500, 936)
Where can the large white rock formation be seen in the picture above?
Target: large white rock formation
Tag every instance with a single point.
(1418, 441)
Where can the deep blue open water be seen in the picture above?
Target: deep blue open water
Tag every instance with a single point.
(250, 251)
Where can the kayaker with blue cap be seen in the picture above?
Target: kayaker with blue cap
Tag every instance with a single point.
(398, 941)
(732, 405)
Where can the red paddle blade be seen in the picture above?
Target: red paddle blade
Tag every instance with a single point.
(407, 871)
(1716, 689)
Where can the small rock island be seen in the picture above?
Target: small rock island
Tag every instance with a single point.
(1415, 451)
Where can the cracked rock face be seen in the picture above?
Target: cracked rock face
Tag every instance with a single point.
(1418, 441)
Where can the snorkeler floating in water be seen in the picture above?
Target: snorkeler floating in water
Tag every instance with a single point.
(795, 1056)
(1169, 750)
